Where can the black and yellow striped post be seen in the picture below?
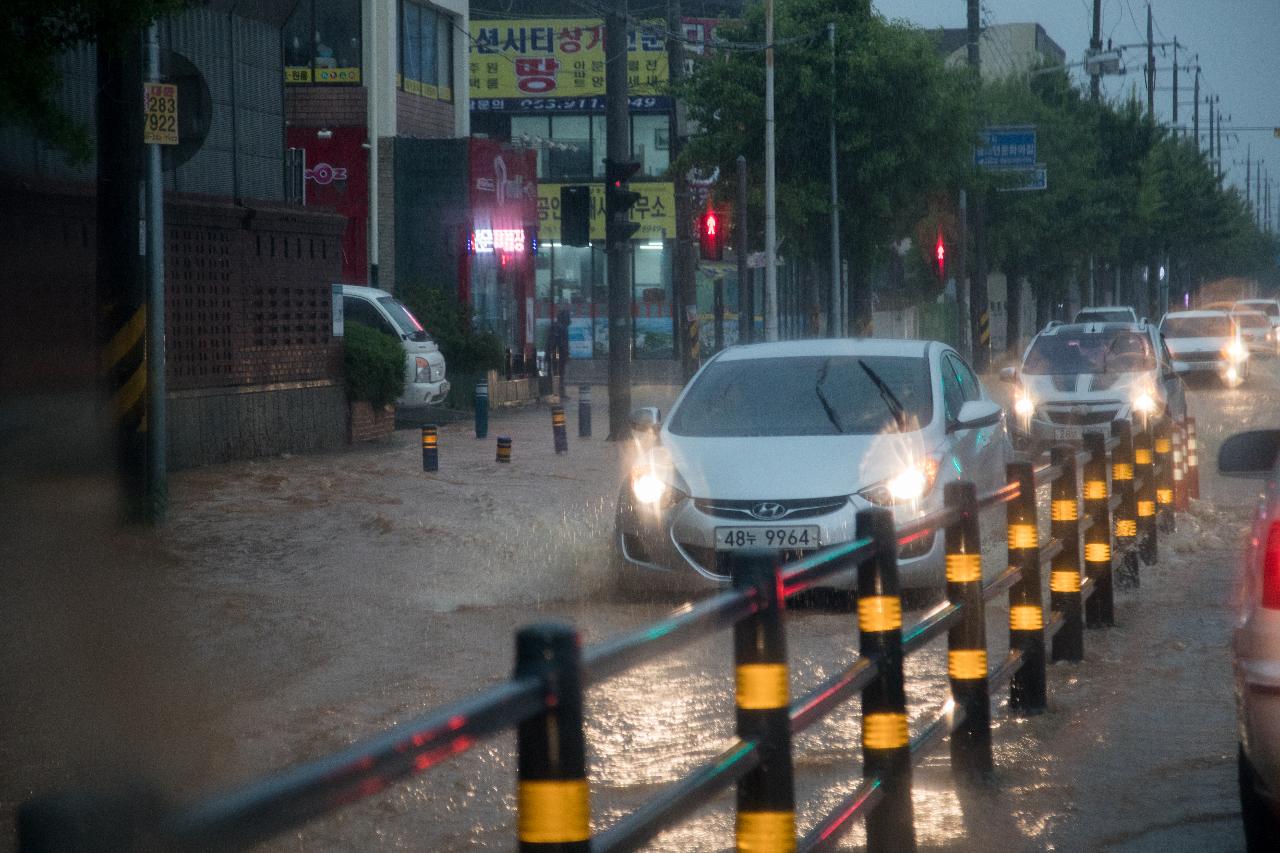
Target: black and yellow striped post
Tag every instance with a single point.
(1100, 609)
(559, 431)
(551, 799)
(886, 745)
(967, 639)
(1193, 460)
(504, 449)
(1067, 569)
(1164, 475)
(1144, 470)
(1181, 500)
(430, 448)
(1026, 605)
(766, 795)
(1126, 516)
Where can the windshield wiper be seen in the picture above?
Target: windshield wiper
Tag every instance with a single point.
(895, 406)
(822, 398)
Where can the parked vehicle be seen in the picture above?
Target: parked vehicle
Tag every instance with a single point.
(1256, 331)
(424, 380)
(1084, 376)
(779, 445)
(1106, 314)
(1207, 342)
(1269, 307)
(1256, 640)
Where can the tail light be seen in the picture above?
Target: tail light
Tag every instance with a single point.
(1271, 569)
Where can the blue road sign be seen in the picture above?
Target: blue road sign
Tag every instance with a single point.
(1006, 148)
(1024, 180)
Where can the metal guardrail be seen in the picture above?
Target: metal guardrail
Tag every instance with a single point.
(1103, 502)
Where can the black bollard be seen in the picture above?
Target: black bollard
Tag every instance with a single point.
(430, 448)
(558, 429)
(482, 408)
(584, 411)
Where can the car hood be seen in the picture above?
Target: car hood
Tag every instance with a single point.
(1085, 387)
(1181, 345)
(788, 467)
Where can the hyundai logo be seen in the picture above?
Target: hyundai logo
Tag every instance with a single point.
(768, 511)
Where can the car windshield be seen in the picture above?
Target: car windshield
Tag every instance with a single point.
(1116, 316)
(1271, 309)
(803, 395)
(404, 318)
(1252, 320)
(1218, 326)
(1101, 352)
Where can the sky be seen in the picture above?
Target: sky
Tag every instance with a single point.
(1238, 43)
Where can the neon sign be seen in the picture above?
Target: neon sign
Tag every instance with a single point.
(484, 241)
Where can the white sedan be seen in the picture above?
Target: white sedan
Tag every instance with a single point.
(779, 445)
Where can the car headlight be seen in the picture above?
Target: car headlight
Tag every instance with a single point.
(1236, 351)
(1143, 403)
(910, 484)
(651, 490)
(1024, 406)
(422, 370)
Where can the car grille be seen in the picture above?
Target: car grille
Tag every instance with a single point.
(717, 562)
(1199, 355)
(791, 509)
(1093, 416)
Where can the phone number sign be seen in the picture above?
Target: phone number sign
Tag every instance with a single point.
(160, 114)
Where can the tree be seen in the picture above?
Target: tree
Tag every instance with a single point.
(32, 37)
(904, 126)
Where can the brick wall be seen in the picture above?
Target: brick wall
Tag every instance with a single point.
(325, 106)
(368, 423)
(423, 118)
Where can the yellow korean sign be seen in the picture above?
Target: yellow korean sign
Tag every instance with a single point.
(655, 211)
(559, 58)
(160, 113)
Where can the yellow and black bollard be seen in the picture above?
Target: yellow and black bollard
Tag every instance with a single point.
(504, 448)
(1144, 471)
(584, 411)
(1066, 572)
(766, 795)
(551, 801)
(1193, 461)
(1100, 609)
(1026, 606)
(558, 429)
(430, 448)
(967, 639)
(1180, 501)
(886, 746)
(1164, 475)
(1126, 516)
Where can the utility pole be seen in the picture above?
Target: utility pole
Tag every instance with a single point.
(834, 330)
(979, 312)
(1210, 101)
(1151, 68)
(1195, 115)
(1175, 83)
(962, 277)
(685, 285)
(1248, 174)
(1258, 191)
(770, 188)
(746, 287)
(156, 416)
(1218, 98)
(1095, 45)
(618, 148)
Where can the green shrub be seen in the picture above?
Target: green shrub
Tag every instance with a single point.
(373, 364)
(467, 351)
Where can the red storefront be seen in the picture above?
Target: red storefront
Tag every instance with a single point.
(336, 175)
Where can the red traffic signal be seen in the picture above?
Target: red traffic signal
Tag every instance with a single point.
(711, 236)
(940, 253)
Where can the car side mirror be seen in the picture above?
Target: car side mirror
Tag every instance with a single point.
(1008, 374)
(1250, 454)
(646, 419)
(976, 414)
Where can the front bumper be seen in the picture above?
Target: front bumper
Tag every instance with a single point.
(424, 393)
(675, 550)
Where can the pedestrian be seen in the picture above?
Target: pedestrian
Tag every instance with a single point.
(558, 348)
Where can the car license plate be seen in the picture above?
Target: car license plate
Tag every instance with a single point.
(1067, 434)
(734, 538)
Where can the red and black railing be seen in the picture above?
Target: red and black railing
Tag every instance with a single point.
(1117, 480)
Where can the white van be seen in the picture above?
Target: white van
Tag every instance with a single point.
(424, 380)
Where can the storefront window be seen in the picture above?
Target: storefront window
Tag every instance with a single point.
(651, 143)
(532, 132)
(599, 150)
(322, 42)
(652, 300)
(569, 156)
(426, 51)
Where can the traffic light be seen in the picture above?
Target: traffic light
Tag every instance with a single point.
(940, 255)
(618, 201)
(575, 215)
(711, 235)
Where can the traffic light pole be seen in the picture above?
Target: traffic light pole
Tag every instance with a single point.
(770, 189)
(618, 145)
(835, 314)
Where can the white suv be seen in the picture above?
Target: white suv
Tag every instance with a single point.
(424, 367)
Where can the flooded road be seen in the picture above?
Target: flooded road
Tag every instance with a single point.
(295, 605)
